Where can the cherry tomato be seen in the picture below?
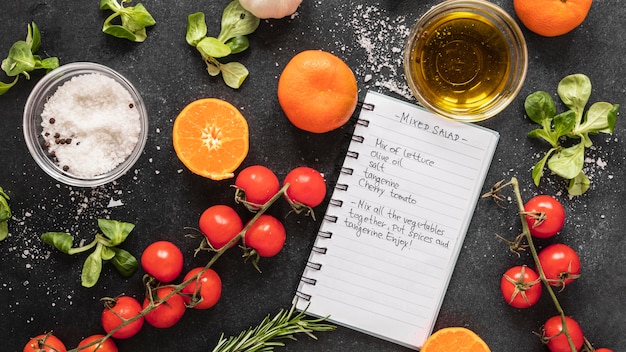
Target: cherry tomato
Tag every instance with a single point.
(258, 183)
(545, 216)
(127, 308)
(306, 186)
(163, 260)
(560, 264)
(168, 313)
(603, 350)
(220, 224)
(266, 235)
(520, 287)
(209, 292)
(45, 343)
(105, 346)
(557, 341)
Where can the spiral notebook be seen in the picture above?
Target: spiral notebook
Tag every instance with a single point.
(396, 221)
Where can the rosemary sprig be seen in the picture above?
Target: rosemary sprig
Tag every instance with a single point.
(267, 335)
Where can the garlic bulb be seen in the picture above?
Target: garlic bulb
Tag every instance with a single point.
(270, 8)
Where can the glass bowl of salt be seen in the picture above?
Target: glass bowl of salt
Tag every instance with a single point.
(85, 124)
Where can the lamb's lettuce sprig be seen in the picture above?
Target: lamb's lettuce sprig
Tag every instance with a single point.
(569, 133)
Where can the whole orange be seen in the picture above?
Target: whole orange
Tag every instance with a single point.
(317, 91)
(551, 18)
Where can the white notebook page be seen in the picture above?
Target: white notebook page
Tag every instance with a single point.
(395, 225)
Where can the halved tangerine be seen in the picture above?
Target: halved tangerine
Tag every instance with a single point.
(454, 339)
(210, 138)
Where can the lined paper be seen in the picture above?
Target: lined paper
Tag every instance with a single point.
(394, 228)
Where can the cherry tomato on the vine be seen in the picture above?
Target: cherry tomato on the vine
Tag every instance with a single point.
(556, 340)
(266, 235)
(163, 260)
(258, 183)
(560, 264)
(545, 216)
(520, 287)
(220, 224)
(124, 307)
(45, 343)
(209, 292)
(167, 313)
(306, 186)
(104, 346)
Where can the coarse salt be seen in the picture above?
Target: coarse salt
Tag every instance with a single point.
(90, 125)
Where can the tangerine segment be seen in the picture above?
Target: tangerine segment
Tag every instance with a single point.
(210, 138)
(317, 91)
(454, 339)
(551, 18)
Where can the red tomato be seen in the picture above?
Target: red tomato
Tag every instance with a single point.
(603, 350)
(258, 184)
(560, 264)
(266, 235)
(103, 346)
(127, 308)
(209, 292)
(163, 260)
(306, 186)
(168, 313)
(220, 224)
(545, 216)
(556, 340)
(45, 343)
(521, 287)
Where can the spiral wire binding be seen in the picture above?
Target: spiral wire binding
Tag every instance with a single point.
(336, 203)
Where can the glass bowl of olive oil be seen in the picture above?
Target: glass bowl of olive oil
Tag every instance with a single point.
(465, 59)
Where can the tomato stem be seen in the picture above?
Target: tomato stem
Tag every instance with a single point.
(526, 231)
(154, 303)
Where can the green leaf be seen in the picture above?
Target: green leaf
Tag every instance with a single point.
(211, 47)
(564, 123)
(234, 74)
(124, 262)
(237, 21)
(33, 38)
(20, 59)
(568, 162)
(597, 118)
(612, 119)
(4, 87)
(238, 44)
(110, 5)
(537, 171)
(5, 210)
(119, 32)
(540, 106)
(213, 67)
(107, 253)
(134, 21)
(196, 28)
(92, 268)
(578, 185)
(575, 90)
(4, 230)
(114, 230)
(59, 240)
(49, 63)
(140, 16)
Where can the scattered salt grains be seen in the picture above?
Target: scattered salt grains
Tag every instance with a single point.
(90, 125)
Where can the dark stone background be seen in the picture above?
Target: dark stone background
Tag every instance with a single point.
(40, 288)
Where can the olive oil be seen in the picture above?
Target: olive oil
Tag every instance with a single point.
(460, 61)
